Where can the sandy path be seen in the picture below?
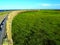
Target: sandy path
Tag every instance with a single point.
(8, 26)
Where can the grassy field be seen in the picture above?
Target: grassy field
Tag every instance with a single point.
(2, 13)
(40, 27)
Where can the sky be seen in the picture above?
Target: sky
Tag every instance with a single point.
(29, 4)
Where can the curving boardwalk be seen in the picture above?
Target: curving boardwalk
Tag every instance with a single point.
(8, 25)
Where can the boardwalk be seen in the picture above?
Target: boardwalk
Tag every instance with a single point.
(8, 25)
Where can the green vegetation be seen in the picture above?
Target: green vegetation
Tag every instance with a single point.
(4, 12)
(40, 27)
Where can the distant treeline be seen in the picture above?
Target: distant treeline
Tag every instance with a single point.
(51, 9)
(30, 9)
(3, 10)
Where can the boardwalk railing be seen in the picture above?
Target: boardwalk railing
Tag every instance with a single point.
(3, 29)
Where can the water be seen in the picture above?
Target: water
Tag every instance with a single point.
(2, 10)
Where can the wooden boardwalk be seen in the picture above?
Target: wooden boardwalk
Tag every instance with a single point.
(9, 27)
